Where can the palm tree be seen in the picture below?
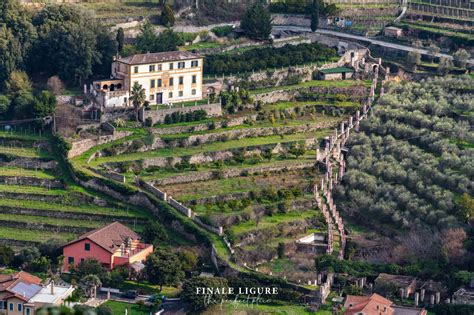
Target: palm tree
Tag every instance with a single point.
(137, 97)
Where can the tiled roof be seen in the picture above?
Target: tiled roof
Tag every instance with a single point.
(109, 237)
(8, 281)
(369, 305)
(158, 57)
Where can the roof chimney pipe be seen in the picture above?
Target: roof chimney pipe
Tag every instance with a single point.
(52, 287)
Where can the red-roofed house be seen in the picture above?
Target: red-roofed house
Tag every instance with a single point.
(377, 305)
(22, 294)
(112, 245)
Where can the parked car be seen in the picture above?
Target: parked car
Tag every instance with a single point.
(130, 294)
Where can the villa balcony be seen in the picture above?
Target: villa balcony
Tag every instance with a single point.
(129, 256)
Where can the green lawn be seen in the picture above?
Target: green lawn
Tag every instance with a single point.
(24, 152)
(32, 190)
(248, 308)
(271, 221)
(59, 222)
(118, 308)
(21, 172)
(201, 45)
(313, 83)
(150, 289)
(31, 235)
(44, 205)
(22, 136)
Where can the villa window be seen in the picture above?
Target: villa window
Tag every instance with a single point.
(28, 311)
(194, 63)
(152, 83)
(180, 94)
(152, 68)
(70, 260)
(11, 307)
(87, 246)
(170, 95)
(159, 67)
(19, 307)
(171, 66)
(194, 79)
(181, 65)
(171, 81)
(193, 91)
(2, 305)
(159, 82)
(181, 80)
(152, 97)
(135, 69)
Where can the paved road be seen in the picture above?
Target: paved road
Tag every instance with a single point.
(363, 38)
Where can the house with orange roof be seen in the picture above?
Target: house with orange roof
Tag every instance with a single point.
(22, 294)
(112, 245)
(377, 305)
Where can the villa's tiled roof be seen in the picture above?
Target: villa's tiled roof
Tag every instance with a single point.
(109, 237)
(158, 57)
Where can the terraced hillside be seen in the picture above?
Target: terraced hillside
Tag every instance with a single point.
(368, 17)
(250, 172)
(412, 166)
(38, 201)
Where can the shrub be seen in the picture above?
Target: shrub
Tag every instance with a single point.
(222, 31)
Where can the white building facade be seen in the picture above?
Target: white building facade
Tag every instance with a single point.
(166, 77)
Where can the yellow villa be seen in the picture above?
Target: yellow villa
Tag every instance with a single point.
(167, 77)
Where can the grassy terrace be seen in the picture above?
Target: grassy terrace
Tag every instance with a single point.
(268, 221)
(44, 205)
(22, 136)
(212, 209)
(216, 187)
(32, 235)
(215, 146)
(53, 221)
(277, 161)
(24, 152)
(21, 172)
(32, 190)
(313, 83)
(436, 29)
(259, 124)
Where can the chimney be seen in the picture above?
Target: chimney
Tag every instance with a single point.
(52, 287)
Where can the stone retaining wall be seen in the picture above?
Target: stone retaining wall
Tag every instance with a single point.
(157, 116)
(250, 133)
(68, 215)
(31, 181)
(30, 163)
(44, 227)
(214, 156)
(110, 175)
(81, 146)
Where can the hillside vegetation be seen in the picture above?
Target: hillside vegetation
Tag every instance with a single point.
(412, 164)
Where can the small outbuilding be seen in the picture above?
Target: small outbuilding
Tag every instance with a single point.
(338, 73)
(392, 31)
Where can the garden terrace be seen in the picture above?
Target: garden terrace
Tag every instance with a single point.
(39, 201)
